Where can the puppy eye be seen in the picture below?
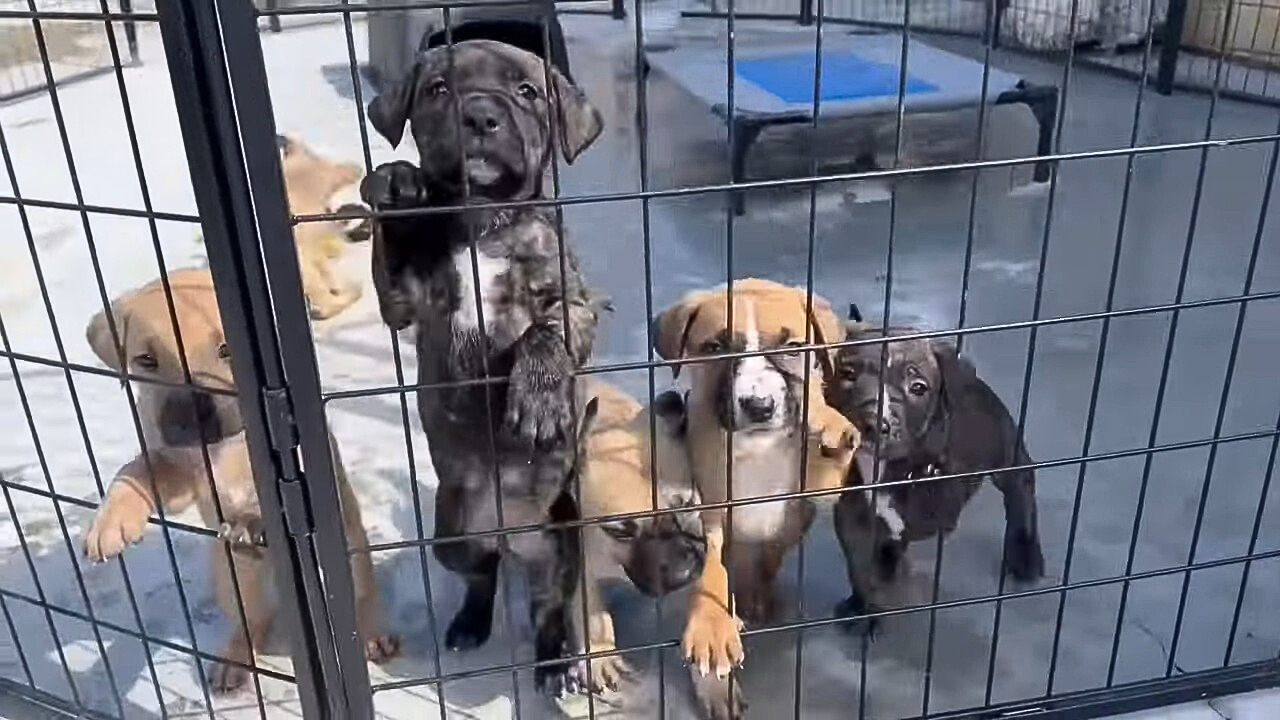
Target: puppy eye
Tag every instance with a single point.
(711, 347)
(438, 88)
(224, 352)
(624, 530)
(146, 361)
(527, 91)
(793, 346)
(918, 388)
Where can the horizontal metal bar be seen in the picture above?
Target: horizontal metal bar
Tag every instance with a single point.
(90, 505)
(113, 374)
(822, 493)
(199, 654)
(803, 181)
(99, 209)
(18, 700)
(824, 622)
(921, 335)
(69, 15)
(364, 8)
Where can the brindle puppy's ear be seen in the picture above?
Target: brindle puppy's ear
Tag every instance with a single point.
(580, 123)
(98, 333)
(958, 374)
(389, 111)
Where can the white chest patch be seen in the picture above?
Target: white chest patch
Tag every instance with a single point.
(467, 316)
(763, 465)
(881, 502)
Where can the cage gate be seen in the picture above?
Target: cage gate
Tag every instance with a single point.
(219, 79)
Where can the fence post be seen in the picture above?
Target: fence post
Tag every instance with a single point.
(234, 169)
(1170, 43)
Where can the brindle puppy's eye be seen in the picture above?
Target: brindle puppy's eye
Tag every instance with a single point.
(224, 352)
(918, 387)
(146, 361)
(527, 91)
(438, 88)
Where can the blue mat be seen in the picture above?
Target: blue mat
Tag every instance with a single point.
(845, 76)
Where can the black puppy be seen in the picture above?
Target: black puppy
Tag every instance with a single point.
(485, 290)
(937, 417)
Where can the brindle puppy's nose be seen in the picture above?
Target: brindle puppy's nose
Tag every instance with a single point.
(756, 409)
(482, 116)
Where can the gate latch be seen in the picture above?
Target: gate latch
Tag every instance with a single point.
(284, 441)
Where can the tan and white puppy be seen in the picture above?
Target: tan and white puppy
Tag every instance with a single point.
(624, 471)
(176, 423)
(755, 407)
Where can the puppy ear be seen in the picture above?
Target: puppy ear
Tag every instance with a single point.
(389, 111)
(671, 330)
(580, 122)
(98, 333)
(958, 374)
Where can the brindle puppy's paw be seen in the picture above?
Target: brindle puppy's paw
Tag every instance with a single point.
(712, 639)
(561, 679)
(1024, 559)
(396, 184)
(719, 699)
(468, 630)
(539, 411)
(243, 532)
(852, 607)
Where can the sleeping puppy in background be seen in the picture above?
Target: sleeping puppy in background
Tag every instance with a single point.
(937, 418)
(759, 404)
(485, 291)
(659, 554)
(177, 423)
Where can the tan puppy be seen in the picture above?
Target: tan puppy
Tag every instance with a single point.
(315, 185)
(759, 398)
(658, 554)
(175, 423)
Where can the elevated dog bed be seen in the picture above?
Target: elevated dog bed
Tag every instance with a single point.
(773, 85)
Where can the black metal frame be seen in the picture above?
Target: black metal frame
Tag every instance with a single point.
(216, 65)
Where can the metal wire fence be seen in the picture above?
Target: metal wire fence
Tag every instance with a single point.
(223, 97)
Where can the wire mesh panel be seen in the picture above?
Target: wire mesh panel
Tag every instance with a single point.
(988, 264)
(74, 47)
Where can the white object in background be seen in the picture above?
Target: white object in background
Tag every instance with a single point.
(659, 20)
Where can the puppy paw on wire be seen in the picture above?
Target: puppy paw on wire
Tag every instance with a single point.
(394, 185)
(539, 409)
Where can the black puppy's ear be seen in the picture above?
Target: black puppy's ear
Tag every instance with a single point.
(958, 374)
(580, 122)
(389, 111)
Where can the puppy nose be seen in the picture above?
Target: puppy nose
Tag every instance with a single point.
(482, 116)
(757, 409)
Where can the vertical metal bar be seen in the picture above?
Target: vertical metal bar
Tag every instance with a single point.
(16, 639)
(1162, 385)
(415, 492)
(1170, 44)
(642, 138)
(620, 9)
(730, 215)
(248, 74)
(806, 12)
(130, 35)
(202, 93)
(1024, 401)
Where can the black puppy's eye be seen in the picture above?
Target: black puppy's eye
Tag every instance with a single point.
(624, 530)
(438, 88)
(918, 387)
(146, 361)
(527, 91)
(224, 352)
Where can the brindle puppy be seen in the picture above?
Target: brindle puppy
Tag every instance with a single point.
(487, 293)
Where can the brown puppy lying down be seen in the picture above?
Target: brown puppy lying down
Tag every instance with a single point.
(766, 403)
(315, 185)
(925, 412)
(175, 423)
(659, 554)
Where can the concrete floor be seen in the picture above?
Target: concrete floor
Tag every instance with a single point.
(689, 247)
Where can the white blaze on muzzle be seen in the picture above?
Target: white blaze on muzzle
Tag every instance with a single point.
(755, 378)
